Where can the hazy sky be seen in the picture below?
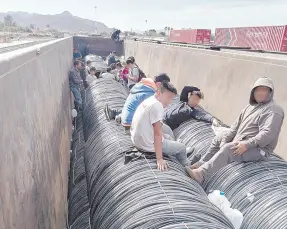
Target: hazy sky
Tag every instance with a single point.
(127, 14)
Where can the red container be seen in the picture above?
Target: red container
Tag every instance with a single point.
(268, 38)
(193, 36)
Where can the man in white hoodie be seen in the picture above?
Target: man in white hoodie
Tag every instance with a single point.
(252, 137)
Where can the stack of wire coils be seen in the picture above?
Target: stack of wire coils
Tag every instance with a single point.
(258, 190)
(78, 203)
(129, 192)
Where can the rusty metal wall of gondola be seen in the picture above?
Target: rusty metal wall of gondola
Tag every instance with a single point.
(35, 123)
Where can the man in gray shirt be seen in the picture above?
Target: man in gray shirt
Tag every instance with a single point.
(75, 82)
(252, 137)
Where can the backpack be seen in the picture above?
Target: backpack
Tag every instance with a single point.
(141, 74)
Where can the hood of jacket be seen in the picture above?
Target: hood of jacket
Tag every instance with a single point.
(146, 85)
(262, 81)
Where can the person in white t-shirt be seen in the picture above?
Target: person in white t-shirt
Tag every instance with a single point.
(91, 77)
(108, 74)
(88, 66)
(147, 128)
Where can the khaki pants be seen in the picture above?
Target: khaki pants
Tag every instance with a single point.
(224, 156)
(214, 147)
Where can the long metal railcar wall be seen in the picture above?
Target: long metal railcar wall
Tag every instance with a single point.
(35, 136)
(265, 182)
(136, 194)
(225, 77)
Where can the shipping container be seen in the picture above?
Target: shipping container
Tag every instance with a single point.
(268, 38)
(193, 36)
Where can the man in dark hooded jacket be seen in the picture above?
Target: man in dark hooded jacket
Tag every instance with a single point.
(252, 137)
(116, 35)
(186, 109)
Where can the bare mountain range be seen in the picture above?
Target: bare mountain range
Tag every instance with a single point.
(64, 21)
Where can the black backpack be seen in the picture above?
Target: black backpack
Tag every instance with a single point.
(141, 73)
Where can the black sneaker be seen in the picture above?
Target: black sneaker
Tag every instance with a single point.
(110, 114)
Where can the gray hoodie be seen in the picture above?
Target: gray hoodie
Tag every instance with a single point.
(259, 124)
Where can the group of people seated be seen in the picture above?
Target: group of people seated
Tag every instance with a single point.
(128, 72)
(82, 75)
(252, 137)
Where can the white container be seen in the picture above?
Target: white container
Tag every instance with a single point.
(74, 113)
(234, 216)
(219, 199)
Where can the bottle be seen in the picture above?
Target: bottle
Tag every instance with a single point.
(219, 200)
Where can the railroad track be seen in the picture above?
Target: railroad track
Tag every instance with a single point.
(20, 46)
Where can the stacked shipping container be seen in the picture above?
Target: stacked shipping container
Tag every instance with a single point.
(195, 36)
(269, 38)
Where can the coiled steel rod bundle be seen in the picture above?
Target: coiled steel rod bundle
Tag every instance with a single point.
(79, 208)
(136, 194)
(265, 181)
(196, 134)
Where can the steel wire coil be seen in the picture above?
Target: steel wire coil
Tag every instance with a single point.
(81, 222)
(192, 225)
(78, 203)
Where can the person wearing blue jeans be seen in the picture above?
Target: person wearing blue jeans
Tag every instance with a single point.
(75, 82)
(77, 94)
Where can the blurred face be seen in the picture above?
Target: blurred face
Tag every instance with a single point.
(130, 65)
(193, 100)
(165, 97)
(261, 94)
(158, 84)
(92, 73)
(79, 66)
